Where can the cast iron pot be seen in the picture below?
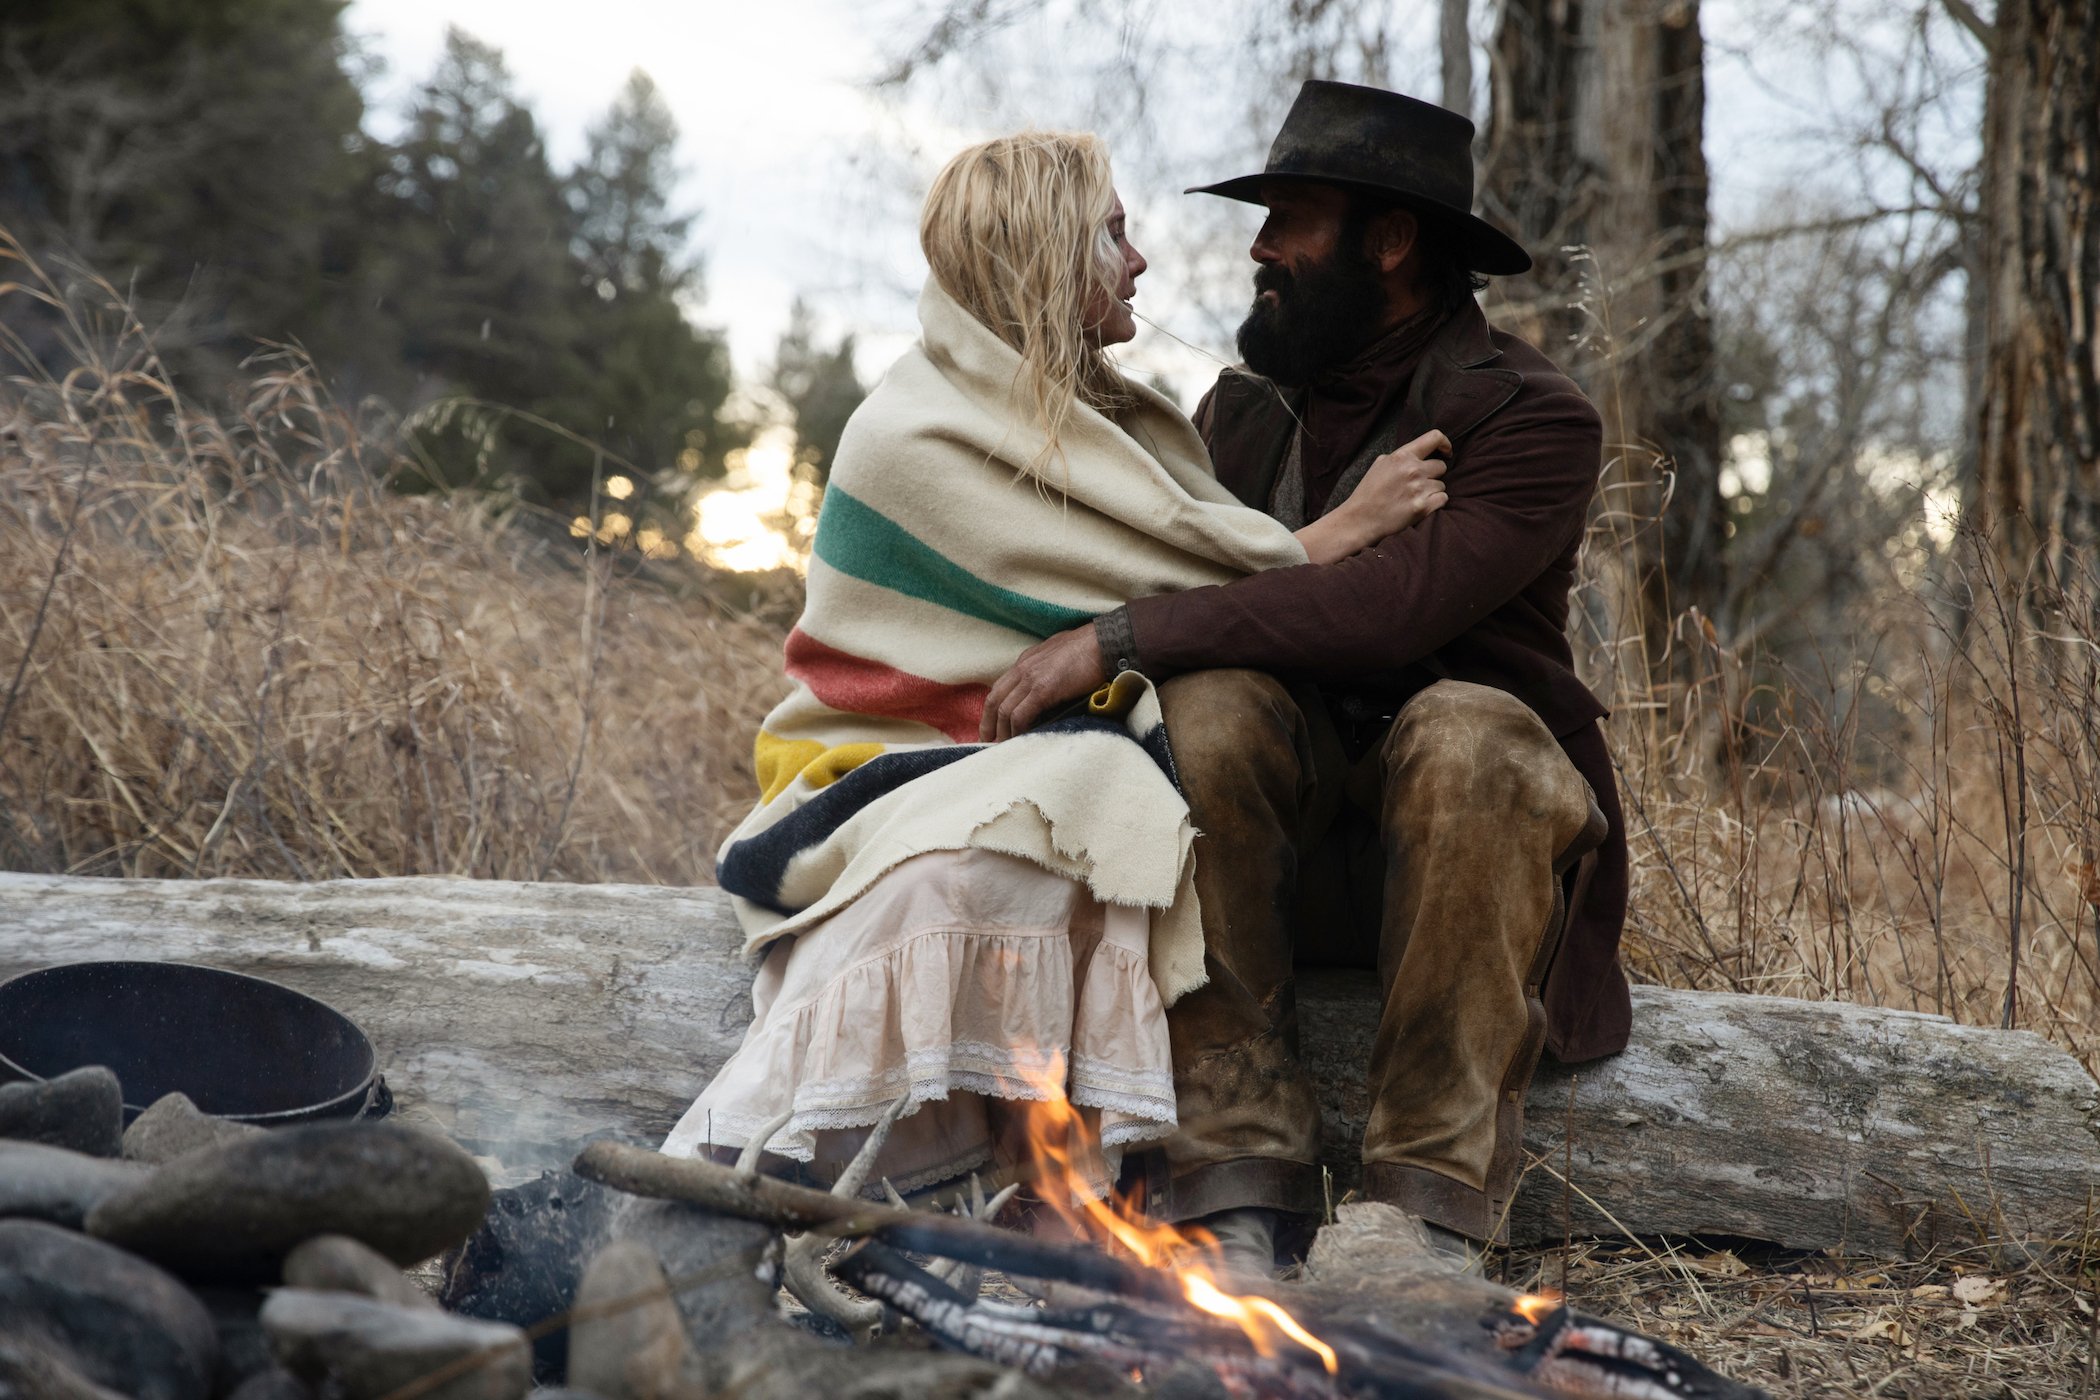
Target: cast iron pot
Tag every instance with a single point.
(241, 1047)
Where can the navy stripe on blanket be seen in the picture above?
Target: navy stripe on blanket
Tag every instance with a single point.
(755, 867)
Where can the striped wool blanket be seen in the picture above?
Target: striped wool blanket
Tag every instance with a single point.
(937, 561)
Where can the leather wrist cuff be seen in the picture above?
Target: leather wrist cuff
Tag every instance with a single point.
(1118, 643)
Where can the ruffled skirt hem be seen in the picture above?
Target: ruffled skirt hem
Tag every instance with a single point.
(958, 1000)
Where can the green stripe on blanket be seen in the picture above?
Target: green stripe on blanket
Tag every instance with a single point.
(855, 538)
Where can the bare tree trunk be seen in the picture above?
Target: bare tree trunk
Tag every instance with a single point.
(2038, 451)
(1455, 41)
(1679, 370)
(1532, 181)
(1595, 158)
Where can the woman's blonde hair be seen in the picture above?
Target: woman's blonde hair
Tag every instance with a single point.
(1016, 230)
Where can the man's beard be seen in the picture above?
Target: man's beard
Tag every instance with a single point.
(1317, 321)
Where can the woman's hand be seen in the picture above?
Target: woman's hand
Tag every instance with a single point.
(1401, 488)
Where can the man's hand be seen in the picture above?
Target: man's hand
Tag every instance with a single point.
(1057, 669)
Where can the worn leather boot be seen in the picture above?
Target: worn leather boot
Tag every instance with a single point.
(1464, 1255)
(1246, 1237)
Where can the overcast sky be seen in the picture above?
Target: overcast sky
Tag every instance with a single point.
(807, 183)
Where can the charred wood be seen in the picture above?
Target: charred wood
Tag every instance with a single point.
(784, 1205)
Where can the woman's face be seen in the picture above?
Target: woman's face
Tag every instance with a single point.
(1108, 318)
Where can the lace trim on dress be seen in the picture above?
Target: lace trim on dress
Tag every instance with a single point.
(942, 1016)
(868, 1101)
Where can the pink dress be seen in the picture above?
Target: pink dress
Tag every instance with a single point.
(965, 981)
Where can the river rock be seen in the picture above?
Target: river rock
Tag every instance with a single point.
(232, 1213)
(712, 1262)
(244, 1348)
(273, 1384)
(1372, 1245)
(366, 1349)
(868, 1373)
(121, 1322)
(635, 1350)
(526, 1261)
(33, 1369)
(55, 1184)
(339, 1264)
(82, 1109)
(173, 1126)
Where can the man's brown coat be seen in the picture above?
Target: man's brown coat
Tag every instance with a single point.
(1477, 592)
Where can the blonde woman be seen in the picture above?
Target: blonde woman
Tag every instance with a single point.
(957, 924)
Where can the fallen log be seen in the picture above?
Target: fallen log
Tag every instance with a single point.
(528, 1020)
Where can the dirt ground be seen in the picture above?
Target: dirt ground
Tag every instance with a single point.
(1983, 1323)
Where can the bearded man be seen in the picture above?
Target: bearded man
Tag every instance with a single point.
(1390, 758)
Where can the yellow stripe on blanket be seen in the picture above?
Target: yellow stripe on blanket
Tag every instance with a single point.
(1114, 700)
(780, 761)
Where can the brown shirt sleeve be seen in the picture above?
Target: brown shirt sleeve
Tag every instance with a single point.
(1520, 489)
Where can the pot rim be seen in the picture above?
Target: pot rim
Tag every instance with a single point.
(13, 1069)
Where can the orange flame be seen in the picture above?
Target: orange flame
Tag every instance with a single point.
(1065, 1163)
(1534, 1306)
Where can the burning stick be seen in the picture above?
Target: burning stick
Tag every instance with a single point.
(641, 1172)
(1121, 1337)
(1581, 1356)
(1147, 1338)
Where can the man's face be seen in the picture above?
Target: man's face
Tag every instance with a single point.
(1318, 297)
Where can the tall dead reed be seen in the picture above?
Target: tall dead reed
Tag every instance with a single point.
(1908, 815)
(226, 648)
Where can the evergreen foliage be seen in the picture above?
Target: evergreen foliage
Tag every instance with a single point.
(210, 156)
(660, 381)
(820, 387)
(202, 152)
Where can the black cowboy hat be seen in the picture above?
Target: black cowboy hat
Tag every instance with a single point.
(1414, 153)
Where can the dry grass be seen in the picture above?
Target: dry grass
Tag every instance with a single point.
(1967, 1324)
(1909, 818)
(1917, 834)
(226, 650)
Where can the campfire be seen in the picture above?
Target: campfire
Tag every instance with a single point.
(293, 1240)
(1063, 1159)
(1142, 1298)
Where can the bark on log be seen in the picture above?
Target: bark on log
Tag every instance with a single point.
(528, 1020)
(1808, 1124)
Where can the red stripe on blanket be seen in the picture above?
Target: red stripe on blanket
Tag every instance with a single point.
(863, 687)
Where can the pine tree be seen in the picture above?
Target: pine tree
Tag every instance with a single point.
(820, 387)
(202, 154)
(475, 261)
(626, 235)
(657, 384)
